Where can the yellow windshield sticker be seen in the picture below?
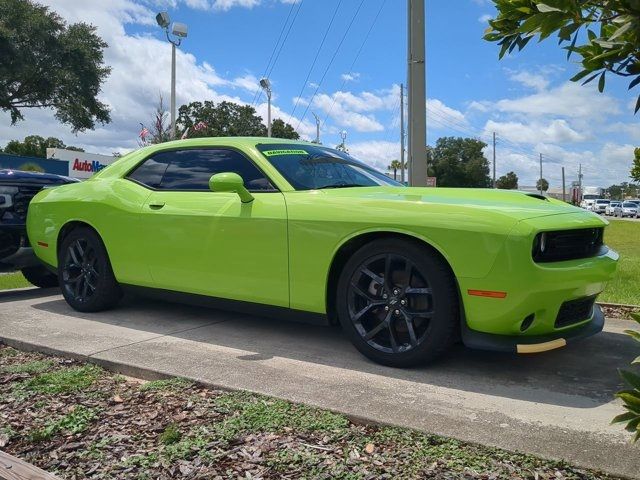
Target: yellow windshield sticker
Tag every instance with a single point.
(273, 153)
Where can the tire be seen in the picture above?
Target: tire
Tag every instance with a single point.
(372, 313)
(40, 277)
(85, 273)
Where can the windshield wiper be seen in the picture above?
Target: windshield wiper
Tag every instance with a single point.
(340, 185)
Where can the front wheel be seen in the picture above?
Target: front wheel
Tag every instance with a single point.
(397, 301)
(40, 277)
(85, 274)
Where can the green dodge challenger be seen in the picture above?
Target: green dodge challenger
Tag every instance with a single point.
(298, 230)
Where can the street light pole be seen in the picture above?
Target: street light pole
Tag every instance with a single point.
(179, 30)
(402, 165)
(417, 94)
(173, 89)
(266, 86)
(317, 128)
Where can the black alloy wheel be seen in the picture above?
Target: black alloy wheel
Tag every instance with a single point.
(86, 278)
(397, 301)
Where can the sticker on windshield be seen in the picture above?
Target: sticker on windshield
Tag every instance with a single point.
(273, 153)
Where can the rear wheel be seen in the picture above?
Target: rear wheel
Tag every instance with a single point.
(85, 273)
(40, 277)
(397, 301)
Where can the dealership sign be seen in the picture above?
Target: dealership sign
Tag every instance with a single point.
(80, 164)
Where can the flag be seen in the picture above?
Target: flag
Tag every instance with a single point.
(199, 126)
(144, 133)
(185, 134)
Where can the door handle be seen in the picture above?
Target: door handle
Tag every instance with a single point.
(156, 205)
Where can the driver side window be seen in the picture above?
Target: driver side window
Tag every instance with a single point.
(191, 170)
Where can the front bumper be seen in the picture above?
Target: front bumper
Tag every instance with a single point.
(533, 344)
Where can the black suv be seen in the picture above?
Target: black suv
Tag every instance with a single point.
(17, 188)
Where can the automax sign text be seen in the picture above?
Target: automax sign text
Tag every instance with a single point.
(81, 164)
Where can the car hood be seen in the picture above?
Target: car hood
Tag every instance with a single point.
(511, 203)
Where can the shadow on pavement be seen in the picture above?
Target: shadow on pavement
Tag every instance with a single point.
(27, 293)
(582, 375)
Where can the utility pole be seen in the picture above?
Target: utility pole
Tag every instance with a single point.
(580, 184)
(417, 93)
(541, 174)
(402, 168)
(564, 191)
(494, 159)
(317, 128)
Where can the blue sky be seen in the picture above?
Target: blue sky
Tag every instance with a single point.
(525, 98)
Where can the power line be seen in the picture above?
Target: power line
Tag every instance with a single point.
(315, 59)
(355, 59)
(273, 52)
(333, 57)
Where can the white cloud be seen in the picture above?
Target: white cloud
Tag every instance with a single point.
(530, 80)
(568, 100)
(350, 77)
(485, 18)
(556, 131)
(378, 154)
(440, 110)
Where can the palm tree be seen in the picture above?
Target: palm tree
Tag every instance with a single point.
(395, 166)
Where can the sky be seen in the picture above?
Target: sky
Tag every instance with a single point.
(344, 60)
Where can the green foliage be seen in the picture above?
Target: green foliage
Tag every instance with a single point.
(73, 422)
(37, 366)
(227, 119)
(395, 166)
(542, 184)
(46, 63)
(459, 162)
(631, 396)
(604, 33)
(65, 380)
(170, 435)
(166, 385)
(35, 146)
(635, 169)
(629, 190)
(279, 129)
(508, 181)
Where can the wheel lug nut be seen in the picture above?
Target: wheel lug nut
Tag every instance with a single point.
(396, 291)
(403, 302)
(397, 312)
(385, 296)
(386, 308)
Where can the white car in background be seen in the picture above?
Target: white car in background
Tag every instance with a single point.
(626, 209)
(600, 205)
(610, 208)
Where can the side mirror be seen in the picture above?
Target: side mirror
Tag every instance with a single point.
(230, 182)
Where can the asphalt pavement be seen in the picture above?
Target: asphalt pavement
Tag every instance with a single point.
(557, 404)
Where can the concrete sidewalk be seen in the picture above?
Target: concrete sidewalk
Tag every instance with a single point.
(557, 405)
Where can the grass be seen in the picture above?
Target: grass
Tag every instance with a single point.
(13, 280)
(175, 428)
(624, 238)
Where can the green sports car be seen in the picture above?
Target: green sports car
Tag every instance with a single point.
(299, 230)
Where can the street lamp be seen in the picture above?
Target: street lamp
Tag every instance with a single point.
(266, 86)
(343, 136)
(179, 31)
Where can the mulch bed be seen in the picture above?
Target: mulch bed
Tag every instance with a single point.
(79, 421)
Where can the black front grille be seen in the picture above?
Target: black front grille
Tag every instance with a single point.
(567, 244)
(21, 200)
(575, 311)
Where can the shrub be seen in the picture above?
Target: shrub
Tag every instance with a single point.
(631, 396)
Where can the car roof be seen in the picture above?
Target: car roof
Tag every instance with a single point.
(21, 176)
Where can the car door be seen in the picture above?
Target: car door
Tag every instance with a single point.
(210, 243)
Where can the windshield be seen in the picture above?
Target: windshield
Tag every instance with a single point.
(602, 202)
(629, 205)
(311, 167)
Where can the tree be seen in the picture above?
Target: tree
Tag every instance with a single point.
(604, 33)
(542, 185)
(459, 162)
(45, 63)
(635, 170)
(36, 146)
(160, 130)
(395, 166)
(227, 119)
(279, 129)
(508, 181)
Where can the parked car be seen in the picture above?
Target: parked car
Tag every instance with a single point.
(600, 205)
(610, 208)
(17, 188)
(299, 230)
(626, 209)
